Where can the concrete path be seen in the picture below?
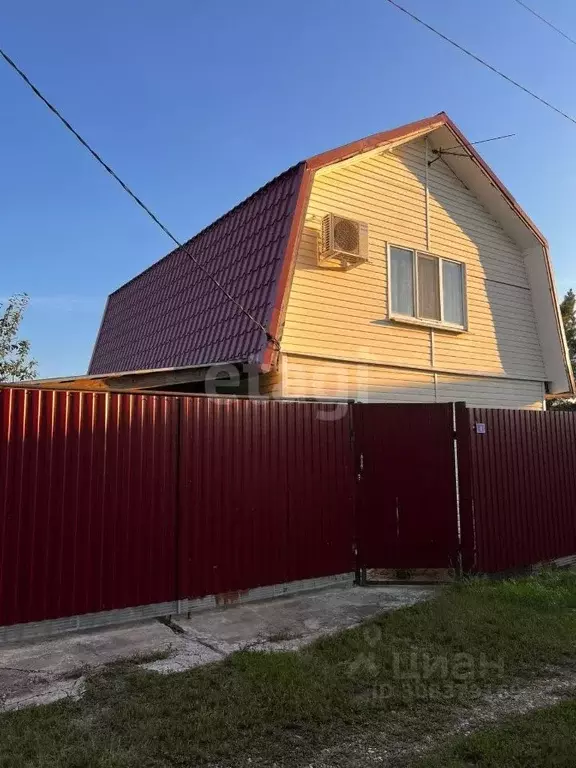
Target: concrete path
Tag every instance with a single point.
(44, 671)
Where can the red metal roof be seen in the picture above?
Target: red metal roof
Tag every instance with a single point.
(172, 315)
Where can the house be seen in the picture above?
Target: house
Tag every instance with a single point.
(395, 268)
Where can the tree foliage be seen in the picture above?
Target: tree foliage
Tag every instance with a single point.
(568, 310)
(15, 361)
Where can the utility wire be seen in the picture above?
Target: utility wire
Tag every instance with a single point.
(136, 199)
(548, 23)
(482, 141)
(447, 151)
(481, 61)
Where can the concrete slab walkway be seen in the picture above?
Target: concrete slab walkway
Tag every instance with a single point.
(43, 671)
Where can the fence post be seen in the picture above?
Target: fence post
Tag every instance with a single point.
(178, 507)
(464, 475)
(355, 416)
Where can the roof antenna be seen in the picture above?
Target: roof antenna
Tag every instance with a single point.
(447, 150)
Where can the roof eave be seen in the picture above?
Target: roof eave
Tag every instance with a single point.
(127, 380)
(268, 357)
(373, 142)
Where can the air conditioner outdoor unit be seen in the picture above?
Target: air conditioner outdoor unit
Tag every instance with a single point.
(343, 242)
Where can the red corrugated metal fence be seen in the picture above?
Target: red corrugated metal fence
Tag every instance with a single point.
(87, 502)
(266, 494)
(518, 487)
(111, 501)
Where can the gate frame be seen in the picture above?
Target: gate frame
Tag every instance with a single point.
(459, 481)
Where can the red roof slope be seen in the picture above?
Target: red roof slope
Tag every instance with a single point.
(172, 315)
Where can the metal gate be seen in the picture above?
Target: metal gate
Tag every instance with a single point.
(407, 513)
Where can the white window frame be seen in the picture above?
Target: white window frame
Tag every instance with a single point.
(415, 319)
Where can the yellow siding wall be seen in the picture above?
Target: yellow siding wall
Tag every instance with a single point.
(311, 377)
(490, 393)
(329, 378)
(271, 383)
(503, 337)
(337, 314)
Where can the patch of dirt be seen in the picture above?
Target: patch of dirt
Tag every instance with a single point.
(47, 694)
(428, 575)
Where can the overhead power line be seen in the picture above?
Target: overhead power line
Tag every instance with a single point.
(136, 199)
(481, 61)
(545, 21)
(482, 141)
(448, 150)
(494, 138)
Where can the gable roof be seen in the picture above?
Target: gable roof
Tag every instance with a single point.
(173, 316)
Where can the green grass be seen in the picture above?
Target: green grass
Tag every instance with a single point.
(539, 740)
(284, 706)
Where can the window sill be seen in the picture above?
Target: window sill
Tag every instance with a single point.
(404, 320)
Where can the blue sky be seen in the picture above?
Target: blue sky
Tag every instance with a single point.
(197, 104)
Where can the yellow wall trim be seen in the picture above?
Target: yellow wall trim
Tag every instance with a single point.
(364, 382)
(409, 367)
